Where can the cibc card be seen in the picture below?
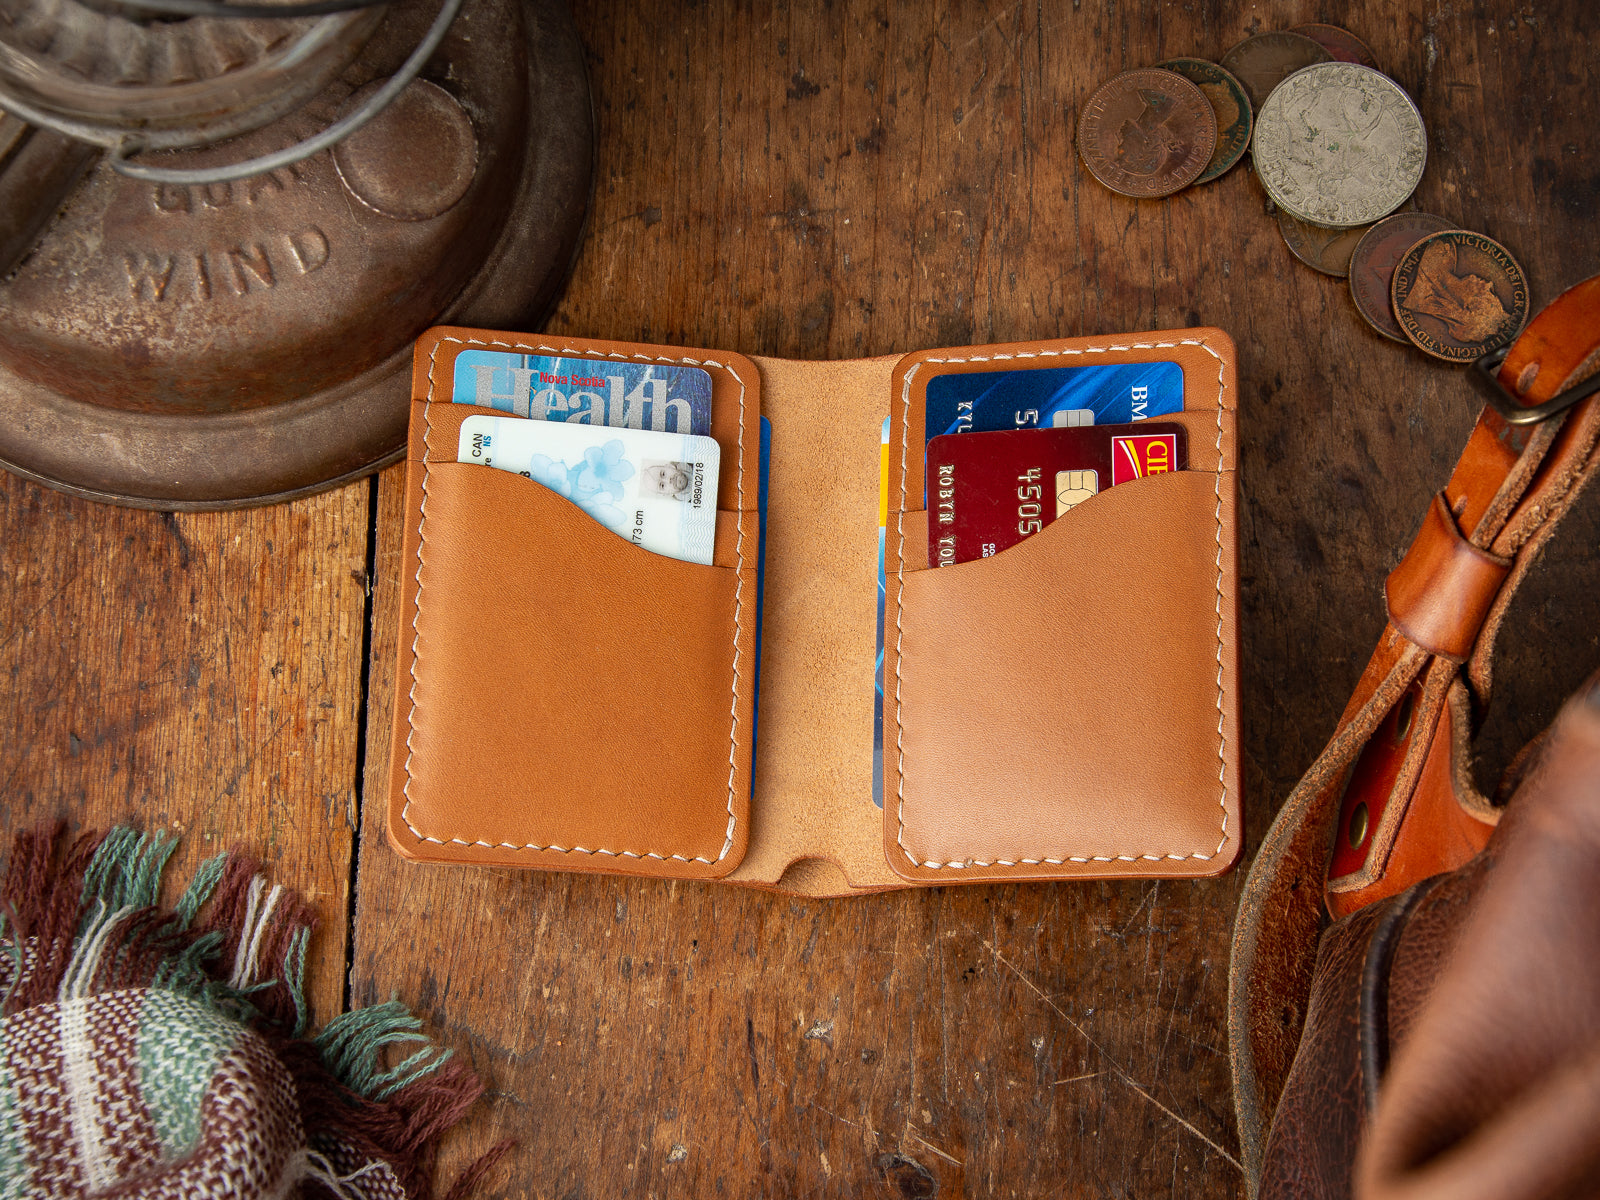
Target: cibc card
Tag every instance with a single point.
(657, 490)
(662, 397)
(989, 491)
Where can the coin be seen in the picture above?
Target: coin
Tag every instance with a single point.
(1373, 261)
(1339, 144)
(1459, 295)
(1341, 43)
(1147, 133)
(1264, 61)
(1229, 102)
(1327, 250)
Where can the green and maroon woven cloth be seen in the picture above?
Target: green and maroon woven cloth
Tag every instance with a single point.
(150, 1053)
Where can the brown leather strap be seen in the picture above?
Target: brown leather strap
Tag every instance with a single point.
(1499, 462)
(1446, 599)
(1444, 587)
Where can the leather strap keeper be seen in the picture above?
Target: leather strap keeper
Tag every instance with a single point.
(1444, 587)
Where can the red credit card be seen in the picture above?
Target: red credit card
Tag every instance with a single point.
(989, 491)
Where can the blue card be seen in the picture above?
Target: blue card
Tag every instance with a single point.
(761, 586)
(883, 596)
(1052, 397)
(586, 391)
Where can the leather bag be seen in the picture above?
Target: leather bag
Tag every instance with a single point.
(1384, 867)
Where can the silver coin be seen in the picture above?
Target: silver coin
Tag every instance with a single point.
(1339, 144)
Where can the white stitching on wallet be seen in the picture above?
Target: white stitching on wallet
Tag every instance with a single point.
(900, 568)
(738, 608)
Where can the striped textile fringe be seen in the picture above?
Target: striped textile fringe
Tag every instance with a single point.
(79, 918)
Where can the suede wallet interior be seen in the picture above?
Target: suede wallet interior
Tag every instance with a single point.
(1067, 708)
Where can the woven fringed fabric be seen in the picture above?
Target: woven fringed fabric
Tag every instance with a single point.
(153, 1053)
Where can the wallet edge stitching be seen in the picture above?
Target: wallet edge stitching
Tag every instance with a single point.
(1222, 772)
(738, 604)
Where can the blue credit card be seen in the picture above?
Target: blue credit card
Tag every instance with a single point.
(1052, 397)
(586, 391)
(883, 595)
(761, 589)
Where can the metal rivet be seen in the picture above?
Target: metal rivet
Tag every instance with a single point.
(1358, 826)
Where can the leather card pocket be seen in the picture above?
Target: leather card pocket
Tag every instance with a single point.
(1067, 707)
(574, 702)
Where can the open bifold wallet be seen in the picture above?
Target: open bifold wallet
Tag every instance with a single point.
(1063, 707)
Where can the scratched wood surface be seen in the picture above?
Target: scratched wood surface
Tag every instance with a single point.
(829, 182)
(198, 673)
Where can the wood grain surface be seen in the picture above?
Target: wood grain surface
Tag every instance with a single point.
(833, 181)
(194, 672)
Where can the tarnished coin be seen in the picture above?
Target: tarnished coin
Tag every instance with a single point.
(1266, 60)
(1147, 133)
(1459, 295)
(1341, 43)
(1327, 250)
(1228, 101)
(1373, 261)
(1339, 144)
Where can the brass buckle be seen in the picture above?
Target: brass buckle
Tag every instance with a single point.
(1485, 374)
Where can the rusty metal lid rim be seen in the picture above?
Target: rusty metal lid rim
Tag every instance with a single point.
(205, 461)
(166, 505)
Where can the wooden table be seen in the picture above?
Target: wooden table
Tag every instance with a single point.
(835, 181)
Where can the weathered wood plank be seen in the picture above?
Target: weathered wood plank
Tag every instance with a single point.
(198, 673)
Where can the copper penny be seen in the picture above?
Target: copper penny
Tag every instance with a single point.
(1373, 261)
(1262, 62)
(1326, 250)
(1459, 295)
(1147, 133)
(1229, 102)
(1341, 43)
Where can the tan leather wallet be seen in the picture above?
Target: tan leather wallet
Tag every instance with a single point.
(1065, 709)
